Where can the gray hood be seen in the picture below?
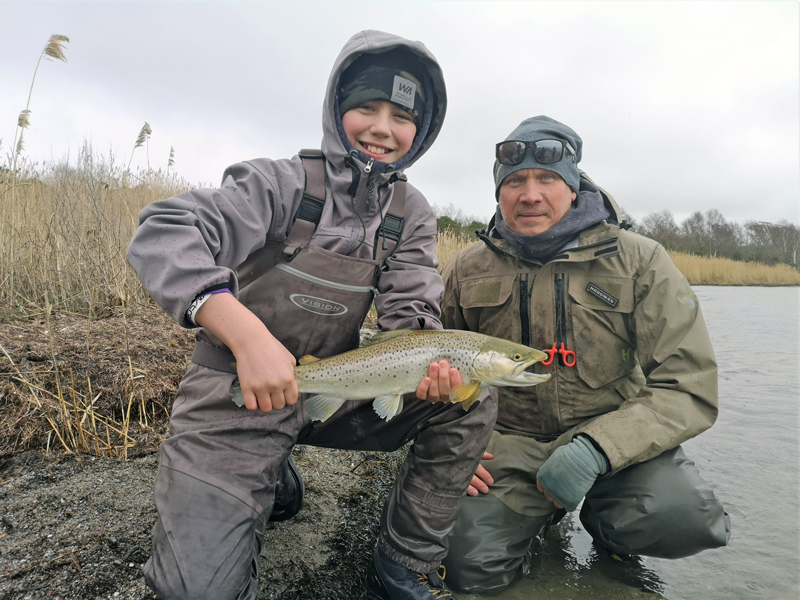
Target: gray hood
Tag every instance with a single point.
(333, 146)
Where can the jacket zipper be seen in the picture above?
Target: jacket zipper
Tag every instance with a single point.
(561, 312)
(524, 315)
(324, 282)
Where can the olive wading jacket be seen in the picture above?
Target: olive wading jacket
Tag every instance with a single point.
(645, 375)
(192, 243)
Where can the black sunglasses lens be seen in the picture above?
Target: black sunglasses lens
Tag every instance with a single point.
(511, 153)
(548, 151)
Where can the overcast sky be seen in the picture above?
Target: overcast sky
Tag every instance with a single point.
(682, 106)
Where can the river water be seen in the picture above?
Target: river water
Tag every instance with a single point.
(751, 456)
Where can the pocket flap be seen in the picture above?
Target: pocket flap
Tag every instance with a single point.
(488, 291)
(602, 293)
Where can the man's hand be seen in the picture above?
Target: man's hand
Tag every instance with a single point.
(570, 472)
(436, 385)
(481, 479)
(264, 366)
(546, 495)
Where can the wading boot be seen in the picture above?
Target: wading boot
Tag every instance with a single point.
(388, 580)
(289, 492)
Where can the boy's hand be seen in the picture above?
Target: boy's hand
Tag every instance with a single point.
(264, 366)
(266, 373)
(436, 386)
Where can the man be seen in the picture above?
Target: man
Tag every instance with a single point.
(633, 373)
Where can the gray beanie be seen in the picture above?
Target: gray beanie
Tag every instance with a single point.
(543, 128)
(396, 76)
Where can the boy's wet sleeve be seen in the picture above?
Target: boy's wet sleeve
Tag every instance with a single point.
(190, 243)
(411, 289)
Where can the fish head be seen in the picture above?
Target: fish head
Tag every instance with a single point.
(504, 363)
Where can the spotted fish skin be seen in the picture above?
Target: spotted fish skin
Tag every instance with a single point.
(394, 366)
(394, 363)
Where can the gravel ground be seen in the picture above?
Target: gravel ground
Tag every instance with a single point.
(79, 527)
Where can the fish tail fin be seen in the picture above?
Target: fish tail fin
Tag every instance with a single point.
(320, 408)
(388, 406)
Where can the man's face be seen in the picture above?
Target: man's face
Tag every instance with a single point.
(533, 200)
(380, 129)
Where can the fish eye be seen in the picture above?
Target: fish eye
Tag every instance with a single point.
(518, 356)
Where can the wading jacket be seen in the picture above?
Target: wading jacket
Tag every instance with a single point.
(645, 376)
(192, 243)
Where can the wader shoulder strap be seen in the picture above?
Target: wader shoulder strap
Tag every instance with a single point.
(391, 227)
(310, 210)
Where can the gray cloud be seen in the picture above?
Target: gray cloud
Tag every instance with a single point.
(682, 106)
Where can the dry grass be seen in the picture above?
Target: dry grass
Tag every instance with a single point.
(88, 364)
(700, 270)
(65, 233)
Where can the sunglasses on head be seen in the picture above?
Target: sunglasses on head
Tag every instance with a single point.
(545, 151)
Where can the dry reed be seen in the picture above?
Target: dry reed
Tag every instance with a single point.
(698, 270)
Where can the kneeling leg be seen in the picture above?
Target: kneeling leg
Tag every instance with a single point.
(489, 545)
(661, 507)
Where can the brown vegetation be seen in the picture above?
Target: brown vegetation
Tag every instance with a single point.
(88, 364)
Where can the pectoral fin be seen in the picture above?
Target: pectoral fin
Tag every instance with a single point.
(388, 406)
(236, 394)
(304, 360)
(320, 408)
(466, 394)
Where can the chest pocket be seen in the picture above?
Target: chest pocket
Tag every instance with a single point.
(600, 309)
(488, 306)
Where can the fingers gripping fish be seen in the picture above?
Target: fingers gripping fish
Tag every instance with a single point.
(393, 363)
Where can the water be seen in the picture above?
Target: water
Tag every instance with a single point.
(751, 456)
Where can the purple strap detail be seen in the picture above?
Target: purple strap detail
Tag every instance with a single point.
(199, 301)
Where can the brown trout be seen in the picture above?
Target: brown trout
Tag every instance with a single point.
(393, 363)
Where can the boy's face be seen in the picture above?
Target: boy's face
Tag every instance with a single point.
(380, 129)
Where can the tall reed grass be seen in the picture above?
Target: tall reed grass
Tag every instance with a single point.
(701, 270)
(65, 231)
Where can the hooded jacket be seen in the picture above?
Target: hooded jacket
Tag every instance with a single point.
(192, 243)
(645, 376)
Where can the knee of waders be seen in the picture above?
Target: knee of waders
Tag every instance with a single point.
(662, 508)
(182, 580)
(491, 545)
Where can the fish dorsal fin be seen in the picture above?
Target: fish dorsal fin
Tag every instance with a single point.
(388, 406)
(385, 336)
(304, 360)
(466, 394)
(320, 408)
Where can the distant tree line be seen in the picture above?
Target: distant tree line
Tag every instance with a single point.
(710, 234)
(453, 220)
(702, 234)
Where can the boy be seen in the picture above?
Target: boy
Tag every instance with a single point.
(284, 260)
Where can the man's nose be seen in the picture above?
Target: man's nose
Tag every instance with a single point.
(532, 191)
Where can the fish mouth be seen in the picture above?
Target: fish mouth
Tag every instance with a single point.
(520, 368)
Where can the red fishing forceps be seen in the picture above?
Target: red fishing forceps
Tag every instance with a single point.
(566, 355)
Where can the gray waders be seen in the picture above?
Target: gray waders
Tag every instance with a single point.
(218, 470)
(661, 507)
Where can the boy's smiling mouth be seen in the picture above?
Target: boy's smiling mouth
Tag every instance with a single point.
(373, 149)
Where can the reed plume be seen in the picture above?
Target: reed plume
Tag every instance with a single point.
(141, 140)
(171, 161)
(53, 50)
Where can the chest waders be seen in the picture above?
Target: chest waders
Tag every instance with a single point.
(217, 471)
(312, 300)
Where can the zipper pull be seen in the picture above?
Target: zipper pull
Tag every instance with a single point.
(368, 168)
